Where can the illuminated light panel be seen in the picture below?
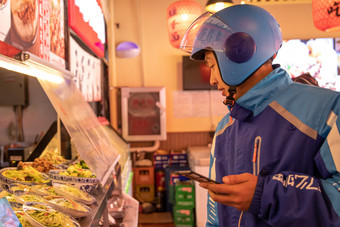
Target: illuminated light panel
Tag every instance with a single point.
(30, 70)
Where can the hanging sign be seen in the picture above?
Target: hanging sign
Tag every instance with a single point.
(87, 20)
(87, 71)
(326, 15)
(180, 15)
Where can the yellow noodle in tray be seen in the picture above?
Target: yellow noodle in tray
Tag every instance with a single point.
(43, 189)
(68, 206)
(73, 193)
(22, 219)
(15, 187)
(4, 193)
(26, 175)
(40, 215)
(25, 196)
(9, 196)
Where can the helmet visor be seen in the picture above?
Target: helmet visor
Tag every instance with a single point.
(208, 32)
(187, 42)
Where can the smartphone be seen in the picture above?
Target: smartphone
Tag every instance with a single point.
(195, 176)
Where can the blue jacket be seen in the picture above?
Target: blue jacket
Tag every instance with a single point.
(293, 129)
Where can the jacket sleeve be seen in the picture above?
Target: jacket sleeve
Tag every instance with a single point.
(212, 216)
(295, 199)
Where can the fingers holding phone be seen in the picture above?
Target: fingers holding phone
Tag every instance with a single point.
(236, 191)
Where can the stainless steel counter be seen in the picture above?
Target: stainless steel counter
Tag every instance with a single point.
(99, 208)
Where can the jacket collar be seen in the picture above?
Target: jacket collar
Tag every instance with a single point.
(261, 95)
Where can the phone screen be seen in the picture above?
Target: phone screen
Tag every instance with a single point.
(195, 176)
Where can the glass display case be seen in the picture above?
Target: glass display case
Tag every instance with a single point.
(100, 147)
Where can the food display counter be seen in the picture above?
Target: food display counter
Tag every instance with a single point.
(100, 147)
(20, 195)
(57, 61)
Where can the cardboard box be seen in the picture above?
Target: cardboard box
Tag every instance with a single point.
(185, 195)
(185, 225)
(178, 159)
(161, 161)
(183, 215)
(145, 192)
(144, 175)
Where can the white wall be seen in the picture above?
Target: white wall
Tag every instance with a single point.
(37, 116)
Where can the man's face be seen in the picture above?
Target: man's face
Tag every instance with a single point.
(215, 76)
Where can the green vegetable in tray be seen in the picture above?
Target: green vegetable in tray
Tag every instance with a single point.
(84, 165)
(78, 170)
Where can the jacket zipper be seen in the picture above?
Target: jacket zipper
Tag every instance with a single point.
(256, 155)
(256, 163)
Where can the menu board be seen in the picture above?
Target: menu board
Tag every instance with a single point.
(35, 26)
(87, 71)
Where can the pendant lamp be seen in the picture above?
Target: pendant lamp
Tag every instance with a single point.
(216, 5)
(180, 15)
(326, 15)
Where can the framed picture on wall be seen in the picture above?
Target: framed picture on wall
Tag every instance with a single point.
(143, 113)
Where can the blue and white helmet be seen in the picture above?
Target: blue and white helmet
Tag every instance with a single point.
(242, 37)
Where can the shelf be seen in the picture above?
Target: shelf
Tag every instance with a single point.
(98, 208)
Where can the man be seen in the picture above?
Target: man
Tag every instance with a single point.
(276, 153)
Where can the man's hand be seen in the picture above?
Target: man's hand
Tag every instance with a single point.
(237, 190)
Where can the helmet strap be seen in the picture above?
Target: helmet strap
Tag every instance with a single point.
(230, 99)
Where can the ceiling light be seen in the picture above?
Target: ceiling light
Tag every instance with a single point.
(217, 5)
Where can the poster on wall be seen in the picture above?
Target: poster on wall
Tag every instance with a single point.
(87, 71)
(143, 113)
(35, 26)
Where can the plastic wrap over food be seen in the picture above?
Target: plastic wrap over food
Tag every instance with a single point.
(98, 147)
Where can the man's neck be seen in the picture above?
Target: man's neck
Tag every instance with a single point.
(260, 73)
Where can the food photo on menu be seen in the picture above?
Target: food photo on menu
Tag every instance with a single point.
(5, 15)
(24, 15)
(57, 43)
(36, 27)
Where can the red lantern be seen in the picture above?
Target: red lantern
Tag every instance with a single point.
(181, 14)
(326, 15)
